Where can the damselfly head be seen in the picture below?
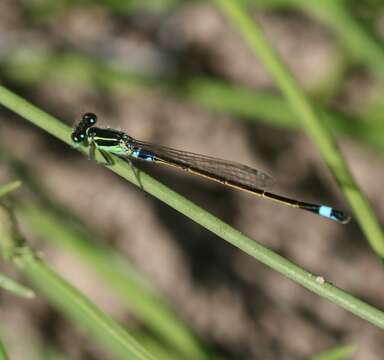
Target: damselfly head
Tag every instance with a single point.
(79, 134)
(89, 119)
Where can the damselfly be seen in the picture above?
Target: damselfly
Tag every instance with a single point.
(110, 141)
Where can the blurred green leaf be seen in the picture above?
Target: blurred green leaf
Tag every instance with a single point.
(202, 217)
(14, 287)
(8, 188)
(69, 300)
(338, 353)
(138, 294)
(311, 121)
(3, 353)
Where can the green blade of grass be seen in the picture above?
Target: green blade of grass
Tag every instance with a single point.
(69, 300)
(15, 288)
(77, 307)
(7, 188)
(53, 222)
(139, 295)
(338, 353)
(261, 106)
(310, 120)
(3, 353)
(359, 42)
(77, 70)
(203, 217)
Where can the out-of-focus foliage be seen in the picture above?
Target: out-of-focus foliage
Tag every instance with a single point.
(176, 72)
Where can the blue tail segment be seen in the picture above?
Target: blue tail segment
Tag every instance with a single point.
(333, 214)
(327, 212)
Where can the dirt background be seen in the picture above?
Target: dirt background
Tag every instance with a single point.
(240, 308)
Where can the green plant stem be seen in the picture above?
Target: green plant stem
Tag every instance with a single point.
(78, 307)
(63, 295)
(6, 189)
(3, 353)
(258, 106)
(310, 120)
(144, 301)
(359, 42)
(14, 287)
(204, 218)
(56, 224)
(343, 352)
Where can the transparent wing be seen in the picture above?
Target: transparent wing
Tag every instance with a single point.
(214, 168)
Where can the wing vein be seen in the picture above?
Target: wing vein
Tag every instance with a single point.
(218, 169)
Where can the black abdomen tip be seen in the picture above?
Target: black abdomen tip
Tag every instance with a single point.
(340, 216)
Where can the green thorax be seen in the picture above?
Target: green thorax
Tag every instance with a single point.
(110, 140)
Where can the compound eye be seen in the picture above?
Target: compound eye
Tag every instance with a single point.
(90, 118)
(78, 138)
(75, 138)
